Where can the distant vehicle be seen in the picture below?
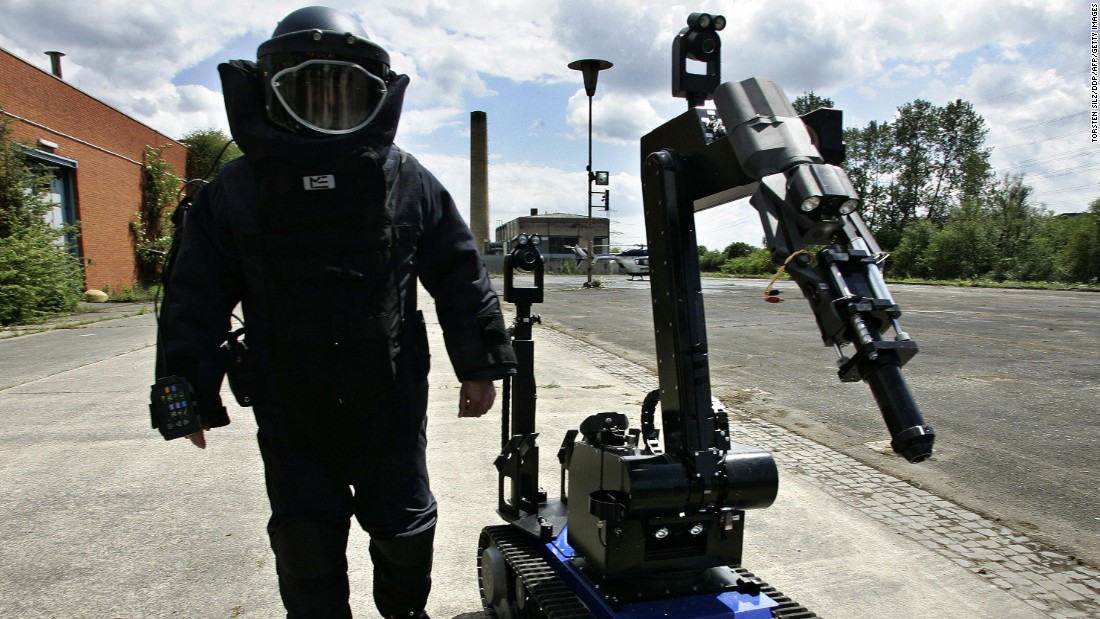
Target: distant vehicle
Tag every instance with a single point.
(634, 262)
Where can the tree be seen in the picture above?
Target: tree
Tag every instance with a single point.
(737, 249)
(961, 170)
(205, 156)
(1015, 221)
(808, 102)
(924, 164)
(869, 162)
(38, 275)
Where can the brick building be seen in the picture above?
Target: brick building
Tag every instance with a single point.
(97, 153)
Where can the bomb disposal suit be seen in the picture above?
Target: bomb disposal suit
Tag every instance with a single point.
(320, 231)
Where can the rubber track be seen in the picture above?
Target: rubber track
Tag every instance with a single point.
(787, 609)
(557, 601)
(523, 553)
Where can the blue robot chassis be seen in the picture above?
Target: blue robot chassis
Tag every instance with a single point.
(649, 525)
(548, 584)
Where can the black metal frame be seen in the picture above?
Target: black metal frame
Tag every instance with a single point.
(520, 499)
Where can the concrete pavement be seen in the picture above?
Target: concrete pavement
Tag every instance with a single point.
(102, 518)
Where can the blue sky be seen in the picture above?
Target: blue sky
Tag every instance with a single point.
(1024, 64)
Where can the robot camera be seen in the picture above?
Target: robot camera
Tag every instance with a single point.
(524, 256)
(525, 253)
(706, 21)
(698, 42)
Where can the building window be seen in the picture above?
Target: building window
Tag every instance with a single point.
(558, 244)
(61, 193)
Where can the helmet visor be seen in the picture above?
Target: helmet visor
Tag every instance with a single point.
(329, 96)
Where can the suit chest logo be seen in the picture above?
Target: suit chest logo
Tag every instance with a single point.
(323, 181)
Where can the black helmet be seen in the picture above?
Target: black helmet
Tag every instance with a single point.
(322, 74)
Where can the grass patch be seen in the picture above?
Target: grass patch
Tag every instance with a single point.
(132, 294)
(965, 283)
(990, 283)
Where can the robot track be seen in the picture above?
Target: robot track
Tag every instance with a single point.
(787, 609)
(517, 581)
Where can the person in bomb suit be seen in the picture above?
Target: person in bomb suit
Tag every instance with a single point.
(321, 231)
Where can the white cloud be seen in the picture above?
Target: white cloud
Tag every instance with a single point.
(427, 121)
(617, 118)
(870, 57)
(178, 110)
(453, 47)
(1039, 127)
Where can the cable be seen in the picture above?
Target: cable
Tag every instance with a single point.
(769, 295)
(1014, 92)
(1057, 137)
(1040, 123)
(213, 166)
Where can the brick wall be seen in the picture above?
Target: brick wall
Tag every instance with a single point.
(108, 147)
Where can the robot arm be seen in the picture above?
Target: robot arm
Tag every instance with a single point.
(804, 201)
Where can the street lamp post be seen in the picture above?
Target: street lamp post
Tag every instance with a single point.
(590, 68)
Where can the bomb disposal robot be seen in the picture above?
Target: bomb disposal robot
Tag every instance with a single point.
(642, 530)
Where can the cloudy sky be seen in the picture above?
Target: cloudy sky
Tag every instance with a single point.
(1024, 64)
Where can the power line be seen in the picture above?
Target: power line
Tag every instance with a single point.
(1076, 170)
(1051, 158)
(1058, 137)
(1014, 92)
(1040, 123)
(1095, 186)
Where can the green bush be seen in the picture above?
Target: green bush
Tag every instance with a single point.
(1076, 250)
(711, 261)
(908, 260)
(38, 276)
(207, 151)
(758, 263)
(151, 227)
(568, 267)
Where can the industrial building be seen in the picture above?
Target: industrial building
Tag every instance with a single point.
(560, 233)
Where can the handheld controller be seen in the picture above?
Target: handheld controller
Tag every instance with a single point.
(172, 404)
